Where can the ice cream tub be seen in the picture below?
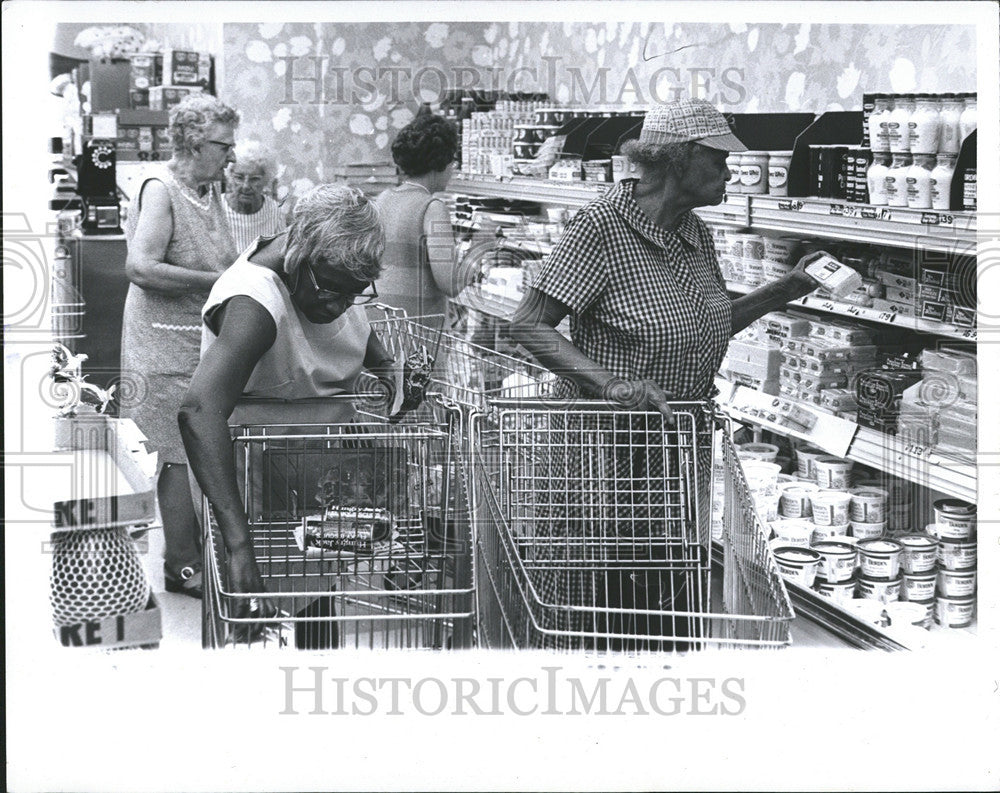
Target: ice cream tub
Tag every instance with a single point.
(885, 590)
(952, 612)
(955, 519)
(902, 613)
(766, 452)
(830, 508)
(824, 533)
(919, 586)
(795, 501)
(806, 462)
(956, 583)
(794, 532)
(797, 564)
(836, 560)
(957, 554)
(833, 473)
(867, 531)
(919, 552)
(868, 504)
(838, 591)
(880, 557)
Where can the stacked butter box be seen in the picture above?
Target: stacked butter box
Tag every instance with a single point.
(822, 366)
(940, 290)
(940, 409)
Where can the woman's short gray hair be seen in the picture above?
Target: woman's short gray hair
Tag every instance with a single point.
(659, 157)
(253, 155)
(336, 226)
(191, 118)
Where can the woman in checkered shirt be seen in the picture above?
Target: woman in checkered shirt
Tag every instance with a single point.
(650, 320)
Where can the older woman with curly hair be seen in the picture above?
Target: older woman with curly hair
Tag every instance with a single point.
(251, 212)
(178, 244)
(420, 268)
(285, 322)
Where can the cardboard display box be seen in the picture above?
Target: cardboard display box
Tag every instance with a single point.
(141, 629)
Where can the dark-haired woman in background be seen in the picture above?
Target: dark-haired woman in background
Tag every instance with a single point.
(419, 268)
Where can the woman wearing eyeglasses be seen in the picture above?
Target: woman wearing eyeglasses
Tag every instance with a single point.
(178, 244)
(251, 212)
(284, 322)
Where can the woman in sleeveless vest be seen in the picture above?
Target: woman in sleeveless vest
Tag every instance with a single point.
(178, 244)
(285, 322)
(420, 271)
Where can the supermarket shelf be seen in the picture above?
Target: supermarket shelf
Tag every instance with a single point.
(573, 195)
(950, 232)
(872, 315)
(926, 466)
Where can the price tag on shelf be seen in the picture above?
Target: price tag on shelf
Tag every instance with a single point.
(917, 450)
(886, 316)
(794, 206)
(876, 213)
(795, 419)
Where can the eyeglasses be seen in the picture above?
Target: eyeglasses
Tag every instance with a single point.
(252, 179)
(329, 295)
(227, 146)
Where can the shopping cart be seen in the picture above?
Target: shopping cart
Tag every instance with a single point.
(360, 528)
(593, 533)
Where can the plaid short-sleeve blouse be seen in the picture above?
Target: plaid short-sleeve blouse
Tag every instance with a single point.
(646, 303)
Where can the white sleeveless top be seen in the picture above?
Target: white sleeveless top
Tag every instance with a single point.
(307, 360)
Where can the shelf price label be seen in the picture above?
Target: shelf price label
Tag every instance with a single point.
(887, 316)
(793, 206)
(845, 210)
(876, 213)
(917, 450)
(970, 333)
(936, 219)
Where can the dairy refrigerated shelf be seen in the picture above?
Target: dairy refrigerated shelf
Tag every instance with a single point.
(853, 311)
(931, 230)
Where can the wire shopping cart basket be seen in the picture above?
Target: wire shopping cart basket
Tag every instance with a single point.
(593, 533)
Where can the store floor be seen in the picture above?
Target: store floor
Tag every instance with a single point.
(182, 615)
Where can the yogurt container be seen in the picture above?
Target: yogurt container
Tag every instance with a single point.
(956, 583)
(919, 553)
(833, 473)
(795, 501)
(955, 519)
(867, 531)
(830, 508)
(868, 504)
(919, 586)
(954, 612)
(797, 564)
(793, 532)
(902, 613)
(780, 250)
(872, 611)
(806, 458)
(766, 452)
(838, 591)
(884, 590)
(777, 172)
(837, 560)
(823, 533)
(762, 477)
(957, 554)
(880, 557)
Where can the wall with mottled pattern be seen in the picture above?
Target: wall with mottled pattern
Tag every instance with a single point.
(327, 94)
